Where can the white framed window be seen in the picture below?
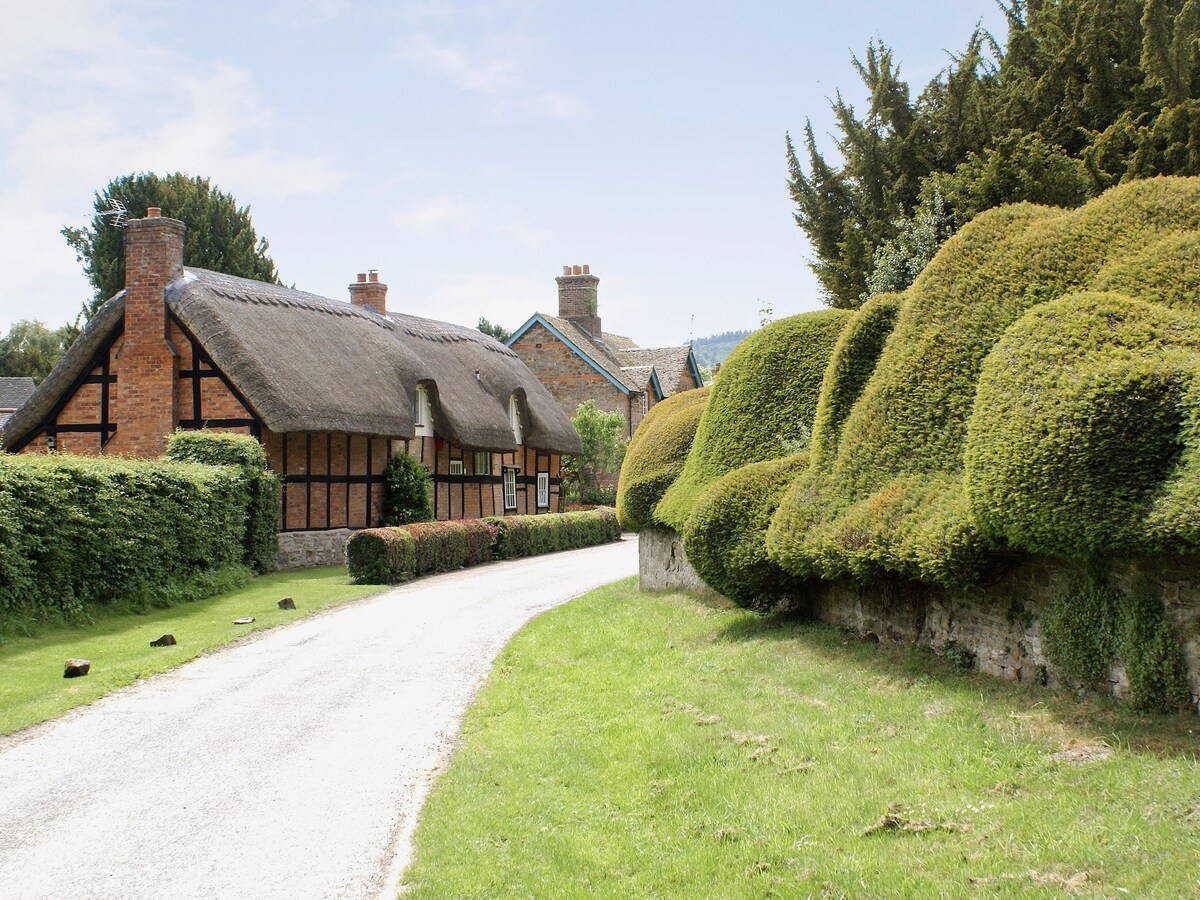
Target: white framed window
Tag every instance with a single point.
(543, 481)
(422, 413)
(483, 462)
(645, 403)
(510, 488)
(514, 418)
(456, 467)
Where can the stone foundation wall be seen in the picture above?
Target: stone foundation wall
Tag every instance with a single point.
(299, 549)
(998, 622)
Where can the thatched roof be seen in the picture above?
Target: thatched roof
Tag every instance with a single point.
(474, 375)
(307, 363)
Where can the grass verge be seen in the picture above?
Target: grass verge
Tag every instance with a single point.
(636, 745)
(117, 641)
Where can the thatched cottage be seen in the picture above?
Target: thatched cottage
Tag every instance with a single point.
(577, 360)
(331, 388)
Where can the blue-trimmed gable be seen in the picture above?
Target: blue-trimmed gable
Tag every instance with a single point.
(694, 369)
(537, 319)
(658, 391)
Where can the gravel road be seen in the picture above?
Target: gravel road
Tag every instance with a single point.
(291, 765)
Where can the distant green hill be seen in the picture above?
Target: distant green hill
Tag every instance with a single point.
(714, 349)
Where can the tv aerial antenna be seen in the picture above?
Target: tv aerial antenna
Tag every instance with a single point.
(118, 212)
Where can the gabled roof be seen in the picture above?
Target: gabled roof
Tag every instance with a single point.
(308, 363)
(586, 347)
(631, 369)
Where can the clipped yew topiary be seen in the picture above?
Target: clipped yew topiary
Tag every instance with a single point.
(656, 454)
(1081, 419)
(892, 496)
(725, 536)
(761, 407)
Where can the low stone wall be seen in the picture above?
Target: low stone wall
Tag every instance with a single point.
(299, 549)
(998, 622)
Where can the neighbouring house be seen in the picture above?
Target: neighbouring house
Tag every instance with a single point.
(577, 360)
(331, 388)
(14, 390)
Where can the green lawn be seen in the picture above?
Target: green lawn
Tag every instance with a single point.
(642, 745)
(117, 642)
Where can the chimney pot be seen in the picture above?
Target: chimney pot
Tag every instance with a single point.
(566, 270)
(153, 212)
(373, 276)
(576, 270)
(362, 277)
(587, 270)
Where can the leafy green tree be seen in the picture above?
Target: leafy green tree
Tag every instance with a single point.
(220, 235)
(406, 491)
(1082, 94)
(499, 332)
(31, 349)
(898, 262)
(600, 433)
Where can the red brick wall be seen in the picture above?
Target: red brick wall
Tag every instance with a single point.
(568, 378)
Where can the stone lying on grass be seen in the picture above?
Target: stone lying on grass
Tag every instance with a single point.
(244, 620)
(76, 668)
(287, 603)
(167, 640)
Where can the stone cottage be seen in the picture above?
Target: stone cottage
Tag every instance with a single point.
(577, 360)
(331, 388)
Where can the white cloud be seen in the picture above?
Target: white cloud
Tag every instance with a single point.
(506, 299)
(492, 67)
(85, 96)
(455, 215)
(432, 215)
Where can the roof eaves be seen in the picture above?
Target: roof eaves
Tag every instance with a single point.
(537, 319)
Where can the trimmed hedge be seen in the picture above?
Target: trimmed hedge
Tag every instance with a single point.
(725, 537)
(761, 407)
(1082, 417)
(261, 541)
(656, 455)
(76, 531)
(394, 554)
(892, 497)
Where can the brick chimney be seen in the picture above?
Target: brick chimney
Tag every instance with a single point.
(577, 298)
(370, 292)
(144, 409)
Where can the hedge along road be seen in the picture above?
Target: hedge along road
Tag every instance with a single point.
(290, 765)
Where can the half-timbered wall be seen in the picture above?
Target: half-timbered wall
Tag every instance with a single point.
(336, 480)
(329, 480)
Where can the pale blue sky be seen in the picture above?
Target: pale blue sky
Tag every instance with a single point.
(466, 150)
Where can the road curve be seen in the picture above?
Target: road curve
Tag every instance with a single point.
(291, 765)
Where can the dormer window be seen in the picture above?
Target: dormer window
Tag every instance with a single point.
(422, 414)
(514, 418)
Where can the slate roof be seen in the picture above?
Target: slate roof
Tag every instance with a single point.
(308, 363)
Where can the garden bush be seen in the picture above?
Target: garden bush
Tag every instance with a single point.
(211, 448)
(656, 455)
(406, 491)
(762, 407)
(393, 554)
(381, 556)
(725, 537)
(79, 531)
